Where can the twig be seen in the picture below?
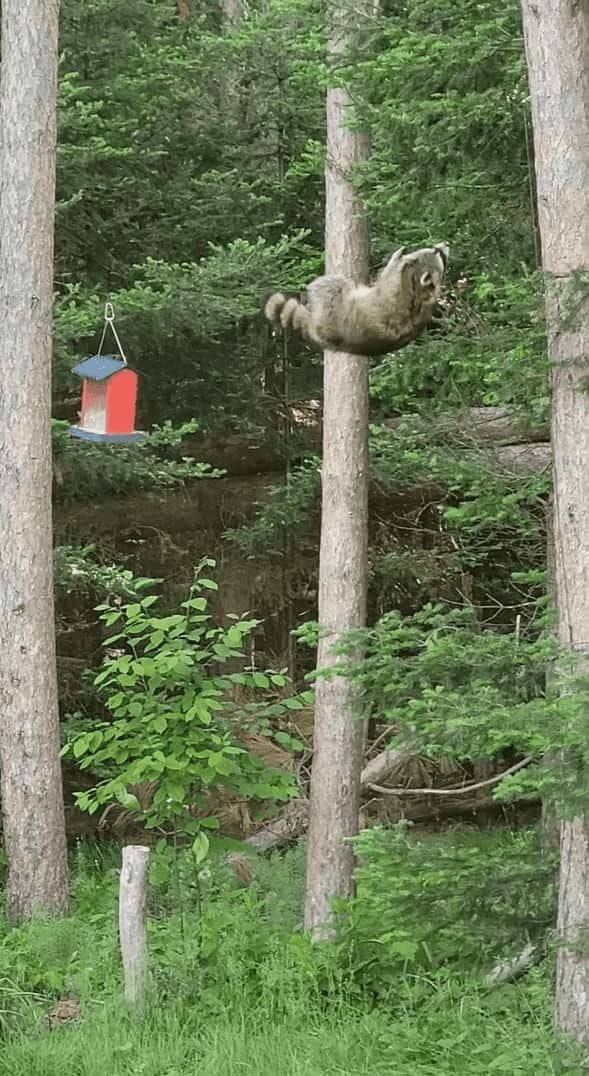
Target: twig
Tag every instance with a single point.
(387, 732)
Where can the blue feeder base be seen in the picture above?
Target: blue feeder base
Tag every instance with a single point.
(107, 438)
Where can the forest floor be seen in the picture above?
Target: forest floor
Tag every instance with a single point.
(241, 992)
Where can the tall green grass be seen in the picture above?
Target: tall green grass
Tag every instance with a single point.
(240, 991)
(445, 1034)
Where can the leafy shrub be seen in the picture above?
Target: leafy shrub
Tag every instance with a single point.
(457, 902)
(174, 720)
(86, 471)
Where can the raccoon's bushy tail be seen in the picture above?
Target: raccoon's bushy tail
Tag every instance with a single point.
(288, 312)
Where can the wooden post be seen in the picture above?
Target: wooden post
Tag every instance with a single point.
(133, 923)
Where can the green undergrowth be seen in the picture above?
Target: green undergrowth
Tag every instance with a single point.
(446, 1034)
(239, 989)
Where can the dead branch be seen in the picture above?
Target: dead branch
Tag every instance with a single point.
(458, 790)
(509, 970)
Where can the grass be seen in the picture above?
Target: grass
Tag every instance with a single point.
(242, 992)
(446, 1035)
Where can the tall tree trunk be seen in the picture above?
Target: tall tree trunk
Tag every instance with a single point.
(557, 48)
(232, 98)
(32, 799)
(339, 734)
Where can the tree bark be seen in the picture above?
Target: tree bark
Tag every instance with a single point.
(343, 556)
(550, 819)
(557, 47)
(32, 799)
(184, 10)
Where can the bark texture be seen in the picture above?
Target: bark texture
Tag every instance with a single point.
(32, 800)
(557, 47)
(343, 556)
(232, 11)
(133, 923)
(184, 10)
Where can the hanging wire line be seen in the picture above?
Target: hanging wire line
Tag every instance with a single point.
(109, 322)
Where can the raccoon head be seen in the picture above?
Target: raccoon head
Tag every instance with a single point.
(427, 268)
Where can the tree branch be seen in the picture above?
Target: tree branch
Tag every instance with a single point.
(457, 791)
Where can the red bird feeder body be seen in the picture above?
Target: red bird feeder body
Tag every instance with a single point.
(109, 399)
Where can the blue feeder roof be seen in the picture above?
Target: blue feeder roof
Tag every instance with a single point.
(99, 367)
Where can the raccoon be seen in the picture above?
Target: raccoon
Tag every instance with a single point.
(342, 316)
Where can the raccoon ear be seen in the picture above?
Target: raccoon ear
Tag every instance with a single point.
(426, 280)
(397, 256)
(443, 250)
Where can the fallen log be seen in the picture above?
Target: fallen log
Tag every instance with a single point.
(455, 790)
(471, 427)
(413, 804)
(481, 425)
(432, 811)
(522, 459)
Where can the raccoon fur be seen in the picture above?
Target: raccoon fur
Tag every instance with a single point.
(339, 315)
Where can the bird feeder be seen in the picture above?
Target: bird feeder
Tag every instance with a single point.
(109, 395)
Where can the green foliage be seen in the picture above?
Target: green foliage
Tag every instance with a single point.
(425, 903)
(451, 687)
(186, 215)
(187, 167)
(457, 689)
(240, 990)
(179, 322)
(483, 511)
(489, 348)
(164, 118)
(76, 571)
(290, 506)
(475, 524)
(86, 471)
(172, 718)
(446, 87)
(483, 505)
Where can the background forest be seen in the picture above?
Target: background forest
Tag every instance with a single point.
(190, 183)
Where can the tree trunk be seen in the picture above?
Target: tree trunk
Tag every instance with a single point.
(557, 47)
(343, 557)
(550, 819)
(32, 799)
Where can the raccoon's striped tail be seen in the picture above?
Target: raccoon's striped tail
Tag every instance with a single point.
(287, 312)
